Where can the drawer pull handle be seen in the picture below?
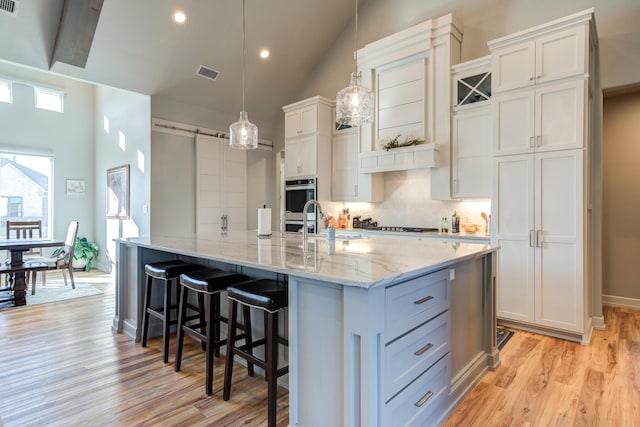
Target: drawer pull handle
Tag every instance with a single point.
(423, 350)
(424, 399)
(423, 300)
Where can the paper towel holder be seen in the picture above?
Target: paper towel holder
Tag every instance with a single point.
(264, 222)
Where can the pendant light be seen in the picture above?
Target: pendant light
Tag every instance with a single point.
(243, 134)
(354, 103)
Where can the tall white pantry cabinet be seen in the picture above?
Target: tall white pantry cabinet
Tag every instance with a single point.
(544, 81)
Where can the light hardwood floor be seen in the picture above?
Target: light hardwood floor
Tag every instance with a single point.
(62, 365)
(545, 381)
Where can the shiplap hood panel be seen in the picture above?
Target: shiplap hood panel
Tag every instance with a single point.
(409, 72)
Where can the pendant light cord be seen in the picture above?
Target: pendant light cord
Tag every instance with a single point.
(243, 51)
(355, 40)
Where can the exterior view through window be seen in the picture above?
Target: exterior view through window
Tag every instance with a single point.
(25, 190)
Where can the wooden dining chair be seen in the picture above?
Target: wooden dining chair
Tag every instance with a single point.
(62, 261)
(28, 229)
(25, 230)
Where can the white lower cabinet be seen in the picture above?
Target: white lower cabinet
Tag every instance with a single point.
(538, 223)
(416, 371)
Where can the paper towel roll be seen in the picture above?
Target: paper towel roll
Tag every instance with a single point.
(264, 222)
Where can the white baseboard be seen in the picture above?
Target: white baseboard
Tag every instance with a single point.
(621, 301)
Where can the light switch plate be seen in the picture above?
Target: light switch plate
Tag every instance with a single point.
(452, 274)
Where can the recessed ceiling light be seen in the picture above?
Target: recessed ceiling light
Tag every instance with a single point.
(179, 17)
(264, 53)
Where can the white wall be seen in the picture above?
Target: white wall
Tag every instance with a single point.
(68, 136)
(621, 178)
(126, 140)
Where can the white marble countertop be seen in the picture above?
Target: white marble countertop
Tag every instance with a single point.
(351, 261)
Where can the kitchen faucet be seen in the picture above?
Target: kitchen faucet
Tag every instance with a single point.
(304, 217)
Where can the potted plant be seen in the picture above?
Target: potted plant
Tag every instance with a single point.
(83, 253)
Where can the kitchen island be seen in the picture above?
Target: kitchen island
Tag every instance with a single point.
(382, 331)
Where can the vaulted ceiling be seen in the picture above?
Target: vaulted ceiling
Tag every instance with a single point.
(138, 47)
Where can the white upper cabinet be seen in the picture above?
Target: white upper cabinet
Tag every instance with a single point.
(550, 117)
(301, 121)
(471, 153)
(471, 128)
(348, 182)
(307, 145)
(546, 58)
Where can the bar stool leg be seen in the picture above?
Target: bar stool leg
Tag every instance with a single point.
(271, 355)
(166, 321)
(203, 318)
(182, 314)
(210, 343)
(231, 338)
(246, 315)
(215, 319)
(147, 301)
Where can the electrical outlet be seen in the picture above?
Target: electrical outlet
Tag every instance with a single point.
(452, 274)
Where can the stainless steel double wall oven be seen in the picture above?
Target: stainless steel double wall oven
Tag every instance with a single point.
(297, 193)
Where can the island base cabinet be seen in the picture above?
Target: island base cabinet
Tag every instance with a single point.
(420, 403)
(404, 353)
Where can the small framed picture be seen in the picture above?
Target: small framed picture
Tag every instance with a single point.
(118, 192)
(75, 187)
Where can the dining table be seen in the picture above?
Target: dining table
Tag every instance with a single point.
(17, 266)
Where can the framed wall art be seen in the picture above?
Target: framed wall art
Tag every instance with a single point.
(75, 187)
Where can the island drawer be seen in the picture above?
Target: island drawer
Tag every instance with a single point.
(412, 354)
(411, 303)
(419, 402)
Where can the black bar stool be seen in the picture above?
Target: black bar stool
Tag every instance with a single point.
(168, 272)
(271, 297)
(210, 284)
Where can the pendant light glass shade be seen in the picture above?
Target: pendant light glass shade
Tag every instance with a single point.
(243, 134)
(354, 103)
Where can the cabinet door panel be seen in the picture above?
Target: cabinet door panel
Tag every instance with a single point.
(559, 264)
(291, 158)
(513, 67)
(513, 228)
(560, 116)
(513, 118)
(309, 119)
(560, 55)
(471, 153)
(345, 166)
(292, 124)
(308, 155)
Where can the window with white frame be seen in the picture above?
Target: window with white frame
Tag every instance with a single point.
(49, 99)
(25, 189)
(5, 91)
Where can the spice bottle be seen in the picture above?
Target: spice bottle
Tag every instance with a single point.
(444, 225)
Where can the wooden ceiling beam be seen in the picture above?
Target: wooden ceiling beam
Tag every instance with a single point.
(78, 23)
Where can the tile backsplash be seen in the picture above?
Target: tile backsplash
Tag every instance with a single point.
(407, 203)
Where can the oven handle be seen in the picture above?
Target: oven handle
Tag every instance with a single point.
(300, 187)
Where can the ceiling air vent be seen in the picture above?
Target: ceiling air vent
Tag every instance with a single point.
(206, 72)
(8, 6)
